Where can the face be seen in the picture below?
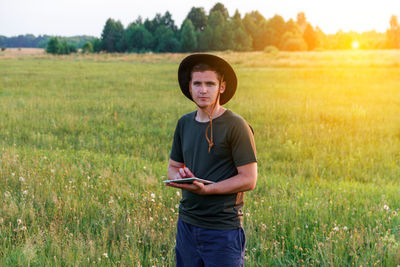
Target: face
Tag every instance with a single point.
(204, 88)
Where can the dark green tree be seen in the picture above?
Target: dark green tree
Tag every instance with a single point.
(188, 37)
(137, 38)
(96, 45)
(53, 45)
(165, 41)
(112, 35)
(204, 39)
(198, 17)
(241, 41)
(219, 7)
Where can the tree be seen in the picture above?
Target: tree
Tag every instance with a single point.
(293, 42)
(221, 34)
(310, 37)
(112, 35)
(218, 7)
(87, 48)
(276, 27)
(393, 33)
(301, 21)
(256, 26)
(241, 41)
(188, 37)
(137, 38)
(204, 39)
(198, 17)
(96, 43)
(52, 45)
(165, 40)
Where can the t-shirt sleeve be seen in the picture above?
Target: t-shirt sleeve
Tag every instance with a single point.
(243, 145)
(176, 151)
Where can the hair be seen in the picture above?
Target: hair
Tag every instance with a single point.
(201, 67)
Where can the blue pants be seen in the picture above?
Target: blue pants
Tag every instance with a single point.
(197, 246)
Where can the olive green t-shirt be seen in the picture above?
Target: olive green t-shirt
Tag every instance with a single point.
(233, 147)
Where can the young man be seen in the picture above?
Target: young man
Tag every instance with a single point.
(215, 144)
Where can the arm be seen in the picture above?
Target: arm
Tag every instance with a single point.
(245, 180)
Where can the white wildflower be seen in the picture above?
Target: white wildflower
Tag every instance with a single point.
(178, 193)
(336, 229)
(105, 255)
(386, 207)
(21, 179)
(152, 195)
(345, 228)
(25, 192)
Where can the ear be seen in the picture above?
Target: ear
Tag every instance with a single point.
(223, 87)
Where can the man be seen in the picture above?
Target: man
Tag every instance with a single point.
(215, 144)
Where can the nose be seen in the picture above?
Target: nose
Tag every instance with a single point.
(203, 89)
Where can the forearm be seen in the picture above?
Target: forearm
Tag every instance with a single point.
(237, 183)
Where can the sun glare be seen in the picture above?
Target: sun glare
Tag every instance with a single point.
(355, 44)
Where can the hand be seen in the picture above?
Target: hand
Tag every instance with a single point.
(195, 187)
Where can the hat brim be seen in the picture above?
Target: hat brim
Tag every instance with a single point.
(220, 64)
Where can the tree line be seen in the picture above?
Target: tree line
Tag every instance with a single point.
(30, 40)
(218, 31)
(215, 31)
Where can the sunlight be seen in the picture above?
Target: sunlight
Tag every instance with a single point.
(355, 44)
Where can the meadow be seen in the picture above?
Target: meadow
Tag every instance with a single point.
(85, 141)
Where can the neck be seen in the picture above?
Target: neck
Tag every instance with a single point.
(202, 115)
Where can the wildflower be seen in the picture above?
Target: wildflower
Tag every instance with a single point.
(52, 170)
(177, 206)
(345, 228)
(386, 207)
(144, 167)
(336, 229)
(178, 193)
(105, 255)
(153, 195)
(151, 219)
(19, 221)
(21, 179)
(13, 174)
(25, 192)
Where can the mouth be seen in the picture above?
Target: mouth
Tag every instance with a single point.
(203, 98)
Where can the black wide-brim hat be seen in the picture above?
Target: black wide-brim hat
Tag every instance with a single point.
(218, 63)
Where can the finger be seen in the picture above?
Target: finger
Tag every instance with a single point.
(188, 172)
(182, 173)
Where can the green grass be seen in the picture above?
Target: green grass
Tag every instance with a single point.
(84, 145)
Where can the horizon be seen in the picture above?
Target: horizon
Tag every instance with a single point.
(69, 21)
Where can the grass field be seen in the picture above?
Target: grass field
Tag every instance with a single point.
(84, 145)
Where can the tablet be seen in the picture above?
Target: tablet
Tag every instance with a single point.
(188, 181)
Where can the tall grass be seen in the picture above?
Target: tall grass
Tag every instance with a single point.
(84, 144)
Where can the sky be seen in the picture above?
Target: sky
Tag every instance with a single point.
(87, 17)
